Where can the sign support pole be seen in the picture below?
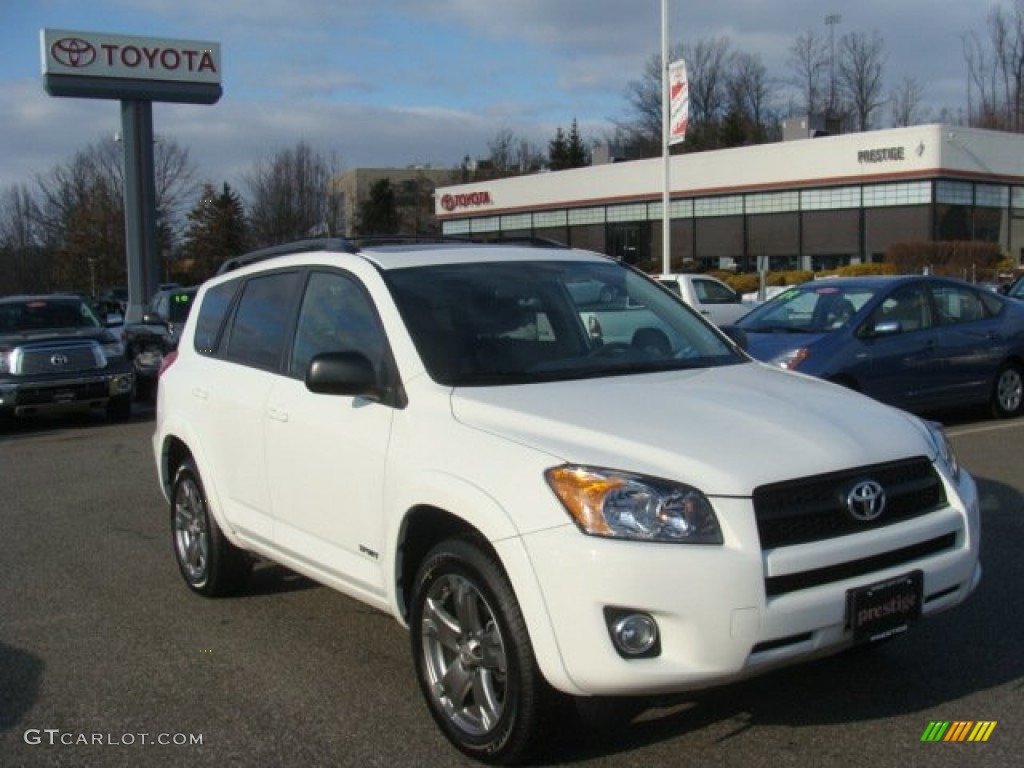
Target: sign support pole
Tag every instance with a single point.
(139, 205)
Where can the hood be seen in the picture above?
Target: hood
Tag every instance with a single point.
(10, 340)
(723, 430)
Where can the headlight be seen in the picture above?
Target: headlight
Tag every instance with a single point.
(112, 346)
(944, 448)
(791, 359)
(621, 505)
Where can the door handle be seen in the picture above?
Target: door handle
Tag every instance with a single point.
(200, 394)
(277, 414)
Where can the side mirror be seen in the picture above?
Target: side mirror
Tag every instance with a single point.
(150, 318)
(343, 373)
(886, 328)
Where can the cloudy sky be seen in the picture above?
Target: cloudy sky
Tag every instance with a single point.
(425, 82)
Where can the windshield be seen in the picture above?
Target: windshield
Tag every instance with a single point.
(35, 315)
(809, 308)
(180, 304)
(527, 321)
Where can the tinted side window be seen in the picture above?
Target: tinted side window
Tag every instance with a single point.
(958, 304)
(336, 316)
(260, 329)
(211, 316)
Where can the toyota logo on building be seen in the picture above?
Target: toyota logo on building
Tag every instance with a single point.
(865, 501)
(59, 360)
(73, 52)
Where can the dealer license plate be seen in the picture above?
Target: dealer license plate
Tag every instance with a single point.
(879, 611)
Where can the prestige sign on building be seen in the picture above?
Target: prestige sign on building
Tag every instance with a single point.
(101, 65)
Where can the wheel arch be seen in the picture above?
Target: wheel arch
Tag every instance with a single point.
(425, 526)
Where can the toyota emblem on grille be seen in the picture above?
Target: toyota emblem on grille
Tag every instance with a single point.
(865, 501)
(59, 360)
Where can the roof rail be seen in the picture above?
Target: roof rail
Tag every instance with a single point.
(337, 244)
(355, 245)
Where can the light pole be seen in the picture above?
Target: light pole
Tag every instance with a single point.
(831, 20)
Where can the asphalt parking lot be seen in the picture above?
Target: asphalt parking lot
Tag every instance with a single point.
(106, 659)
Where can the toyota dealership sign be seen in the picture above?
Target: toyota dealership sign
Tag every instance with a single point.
(102, 65)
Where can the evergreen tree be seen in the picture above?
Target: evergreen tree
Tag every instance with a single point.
(216, 230)
(568, 150)
(378, 214)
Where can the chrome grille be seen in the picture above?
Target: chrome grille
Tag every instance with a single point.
(65, 357)
(814, 508)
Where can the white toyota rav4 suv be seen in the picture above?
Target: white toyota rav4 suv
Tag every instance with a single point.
(441, 432)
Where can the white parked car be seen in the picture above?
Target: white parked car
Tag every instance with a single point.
(708, 295)
(439, 432)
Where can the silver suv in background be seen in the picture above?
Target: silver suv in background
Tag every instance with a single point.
(440, 432)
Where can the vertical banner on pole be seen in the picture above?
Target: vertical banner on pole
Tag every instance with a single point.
(679, 99)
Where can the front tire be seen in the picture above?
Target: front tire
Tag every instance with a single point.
(473, 657)
(210, 564)
(1008, 391)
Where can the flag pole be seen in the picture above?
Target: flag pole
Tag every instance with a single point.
(666, 223)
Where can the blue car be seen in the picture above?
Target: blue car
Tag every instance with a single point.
(917, 342)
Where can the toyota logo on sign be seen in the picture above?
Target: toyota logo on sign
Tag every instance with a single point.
(865, 501)
(73, 52)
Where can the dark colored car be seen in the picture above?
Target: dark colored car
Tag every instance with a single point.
(1014, 290)
(56, 354)
(148, 342)
(919, 343)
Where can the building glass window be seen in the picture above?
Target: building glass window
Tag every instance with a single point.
(991, 195)
(634, 212)
(458, 227)
(954, 192)
(515, 221)
(487, 224)
(826, 199)
(586, 216)
(773, 202)
(728, 205)
(906, 193)
(549, 219)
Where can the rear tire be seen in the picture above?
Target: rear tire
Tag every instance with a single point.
(1008, 391)
(473, 657)
(210, 564)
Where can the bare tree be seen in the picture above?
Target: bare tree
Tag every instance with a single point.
(750, 94)
(861, 61)
(996, 73)
(707, 66)
(81, 211)
(24, 262)
(643, 127)
(809, 61)
(510, 155)
(291, 197)
(906, 103)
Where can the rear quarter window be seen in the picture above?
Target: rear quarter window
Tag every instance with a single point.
(210, 319)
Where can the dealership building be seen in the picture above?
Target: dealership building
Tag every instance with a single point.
(808, 203)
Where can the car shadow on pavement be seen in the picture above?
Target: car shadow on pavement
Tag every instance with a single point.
(970, 649)
(20, 674)
(269, 578)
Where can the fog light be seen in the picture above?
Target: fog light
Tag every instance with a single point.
(634, 635)
(120, 385)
